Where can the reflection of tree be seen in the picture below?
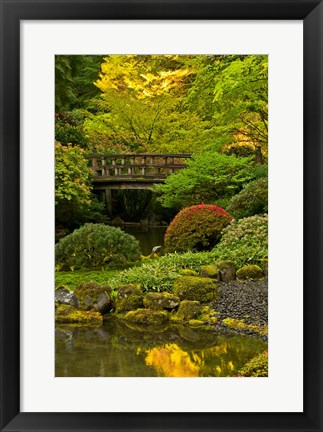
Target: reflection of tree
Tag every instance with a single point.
(222, 360)
(117, 350)
(171, 361)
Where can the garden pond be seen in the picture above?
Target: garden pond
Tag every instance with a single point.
(147, 236)
(121, 349)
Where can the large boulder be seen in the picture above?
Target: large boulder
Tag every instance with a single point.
(188, 309)
(227, 270)
(64, 296)
(129, 297)
(210, 271)
(147, 316)
(163, 300)
(92, 296)
(66, 314)
(195, 288)
(250, 272)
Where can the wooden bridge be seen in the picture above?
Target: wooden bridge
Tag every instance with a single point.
(132, 171)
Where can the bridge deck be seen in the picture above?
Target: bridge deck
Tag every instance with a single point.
(134, 171)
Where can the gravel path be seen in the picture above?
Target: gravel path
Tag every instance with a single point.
(243, 300)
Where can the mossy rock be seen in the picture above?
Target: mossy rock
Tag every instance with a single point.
(187, 310)
(196, 323)
(69, 315)
(240, 325)
(250, 272)
(163, 300)
(129, 298)
(210, 271)
(188, 272)
(147, 316)
(227, 270)
(264, 265)
(124, 291)
(65, 296)
(208, 315)
(195, 288)
(92, 296)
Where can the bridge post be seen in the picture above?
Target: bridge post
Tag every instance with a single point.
(108, 201)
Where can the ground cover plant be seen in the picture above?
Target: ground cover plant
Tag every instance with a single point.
(245, 241)
(159, 274)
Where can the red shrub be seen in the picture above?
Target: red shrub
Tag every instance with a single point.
(196, 228)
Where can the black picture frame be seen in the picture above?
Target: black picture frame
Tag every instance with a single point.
(12, 12)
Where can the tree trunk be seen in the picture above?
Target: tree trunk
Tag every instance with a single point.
(258, 156)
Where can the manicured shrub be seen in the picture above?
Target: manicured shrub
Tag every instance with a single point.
(95, 246)
(245, 241)
(196, 228)
(256, 367)
(252, 200)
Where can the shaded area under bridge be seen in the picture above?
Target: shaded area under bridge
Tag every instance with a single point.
(132, 171)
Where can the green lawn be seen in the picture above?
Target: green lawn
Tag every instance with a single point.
(72, 279)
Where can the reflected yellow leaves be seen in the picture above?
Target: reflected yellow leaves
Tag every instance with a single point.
(172, 361)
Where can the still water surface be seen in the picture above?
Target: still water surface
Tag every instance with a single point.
(148, 237)
(118, 349)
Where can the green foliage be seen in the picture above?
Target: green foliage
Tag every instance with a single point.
(96, 245)
(74, 202)
(245, 241)
(68, 130)
(74, 77)
(196, 228)
(209, 177)
(256, 367)
(252, 200)
(159, 274)
(144, 96)
(233, 91)
(72, 176)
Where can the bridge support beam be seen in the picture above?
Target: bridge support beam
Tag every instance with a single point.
(108, 201)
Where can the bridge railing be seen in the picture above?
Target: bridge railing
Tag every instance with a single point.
(155, 165)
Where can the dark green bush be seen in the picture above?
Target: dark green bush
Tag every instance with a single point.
(245, 241)
(95, 246)
(196, 228)
(252, 200)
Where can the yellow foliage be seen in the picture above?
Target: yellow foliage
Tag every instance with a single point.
(171, 361)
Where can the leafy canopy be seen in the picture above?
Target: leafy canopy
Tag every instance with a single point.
(209, 177)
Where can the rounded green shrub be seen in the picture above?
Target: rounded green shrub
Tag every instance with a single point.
(95, 246)
(245, 241)
(252, 200)
(196, 228)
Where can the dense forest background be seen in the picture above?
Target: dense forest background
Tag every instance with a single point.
(214, 107)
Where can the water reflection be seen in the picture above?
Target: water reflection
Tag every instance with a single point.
(120, 350)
